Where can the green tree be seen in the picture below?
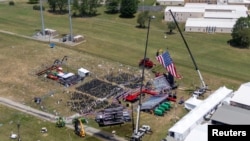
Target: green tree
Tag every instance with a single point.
(62, 4)
(171, 27)
(52, 5)
(93, 5)
(75, 7)
(88, 7)
(241, 33)
(112, 6)
(33, 2)
(83, 9)
(128, 8)
(142, 17)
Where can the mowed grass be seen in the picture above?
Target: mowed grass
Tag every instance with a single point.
(118, 39)
(110, 38)
(30, 128)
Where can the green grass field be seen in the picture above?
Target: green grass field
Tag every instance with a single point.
(30, 128)
(109, 38)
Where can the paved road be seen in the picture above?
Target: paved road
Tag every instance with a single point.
(105, 136)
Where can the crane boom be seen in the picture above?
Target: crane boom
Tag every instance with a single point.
(195, 65)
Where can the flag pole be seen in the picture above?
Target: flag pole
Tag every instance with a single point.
(195, 65)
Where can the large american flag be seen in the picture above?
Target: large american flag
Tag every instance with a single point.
(168, 63)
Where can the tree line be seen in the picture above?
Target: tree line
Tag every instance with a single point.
(127, 8)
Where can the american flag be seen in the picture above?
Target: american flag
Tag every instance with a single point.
(168, 63)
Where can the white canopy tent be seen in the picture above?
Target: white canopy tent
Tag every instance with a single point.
(192, 102)
(199, 133)
(241, 96)
(195, 117)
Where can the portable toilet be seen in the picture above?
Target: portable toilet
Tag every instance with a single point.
(158, 112)
(161, 108)
(169, 104)
(165, 106)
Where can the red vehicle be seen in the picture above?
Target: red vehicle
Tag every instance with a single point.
(134, 96)
(52, 76)
(147, 63)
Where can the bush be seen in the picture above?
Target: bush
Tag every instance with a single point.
(11, 3)
(37, 7)
(157, 3)
(33, 1)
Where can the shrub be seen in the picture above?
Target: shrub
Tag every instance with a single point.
(37, 7)
(33, 1)
(11, 3)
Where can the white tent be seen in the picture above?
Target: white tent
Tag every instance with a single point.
(195, 117)
(241, 96)
(192, 102)
(199, 133)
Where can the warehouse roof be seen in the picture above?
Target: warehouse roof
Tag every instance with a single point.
(201, 22)
(231, 115)
(242, 95)
(217, 6)
(184, 9)
(225, 15)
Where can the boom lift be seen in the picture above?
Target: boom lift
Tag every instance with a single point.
(79, 127)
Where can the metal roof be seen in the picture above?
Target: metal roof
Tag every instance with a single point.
(184, 9)
(153, 101)
(201, 22)
(169, 0)
(225, 15)
(242, 95)
(231, 115)
(217, 6)
(201, 7)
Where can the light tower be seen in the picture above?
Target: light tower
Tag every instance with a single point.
(41, 12)
(70, 22)
(136, 136)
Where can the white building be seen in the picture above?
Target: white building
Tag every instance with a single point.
(170, 2)
(209, 25)
(202, 17)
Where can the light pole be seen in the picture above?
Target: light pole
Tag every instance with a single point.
(70, 22)
(41, 12)
(18, 127)
(143, 6)
(142, 77)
